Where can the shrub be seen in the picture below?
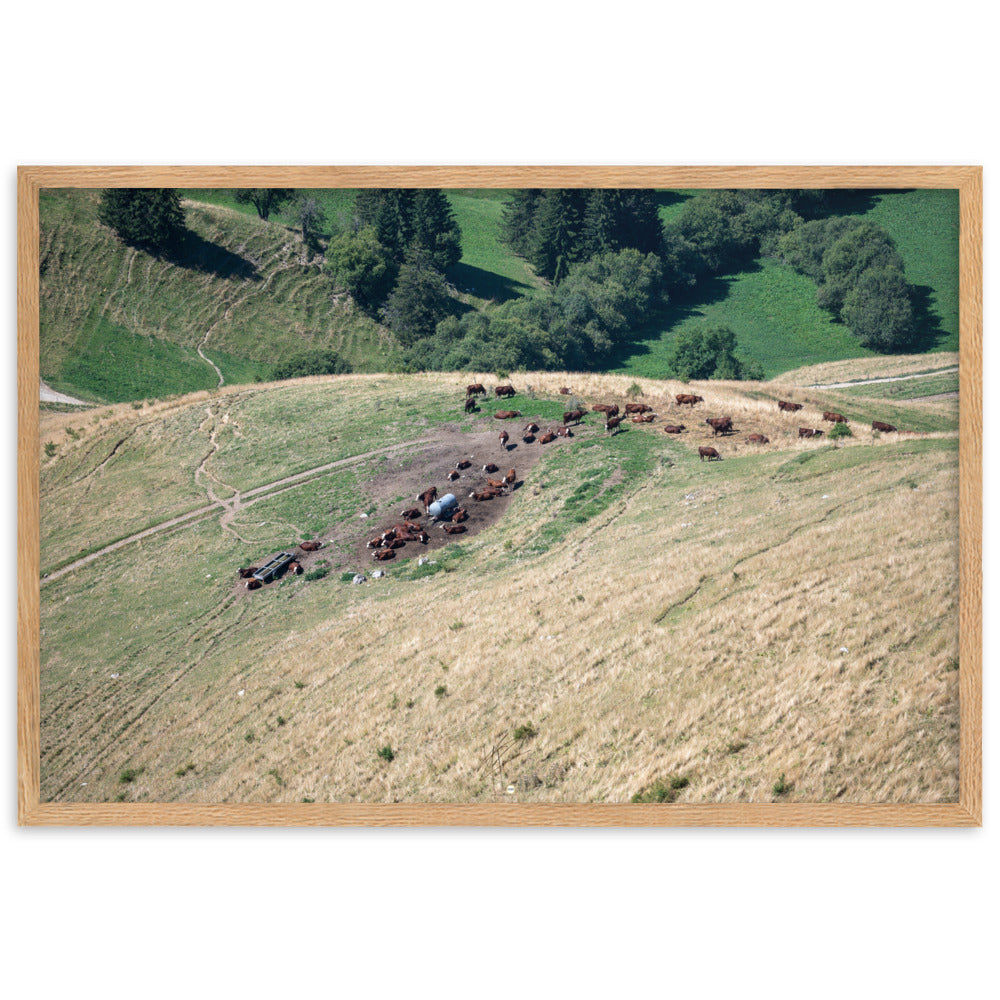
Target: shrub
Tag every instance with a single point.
(441, 691)
(661, 790)
(780, 786)
(50, 449)
(320, 571)
(840, 430)
(387, 753)
(525, 732)
(317, 361)
(129, 775)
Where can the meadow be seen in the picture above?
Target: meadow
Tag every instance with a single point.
(777, 626)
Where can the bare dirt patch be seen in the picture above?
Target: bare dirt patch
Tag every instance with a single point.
(404, 475)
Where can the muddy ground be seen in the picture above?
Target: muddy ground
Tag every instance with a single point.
(407, 474)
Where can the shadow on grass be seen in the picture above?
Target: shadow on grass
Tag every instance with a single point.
(198, 254)
(486, 284)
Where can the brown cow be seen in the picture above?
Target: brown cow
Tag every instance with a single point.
(608, 409)
(612, 424)
(563, 432)
(531, 428)
(504, 438)
(463, 463)
(878, 425)
(547, 437)
(475, 390)
(504, 390)
(510, 479)
(453, 475)
(295, 568)
(834, 418)
(705, 452)
(673, 428)
(720, 425)
(470, 404)
(253, 584)
(490, 467)
(637, 408)
(496, 484)
(411, 513)
(644, 418)
(686, 399)
(788, 407)
(460, 515)
(483, 495)
(808, 432)
(247, 571)
(383, 554)
(428, 497)
(310, 546)
(565, 391)
(506, 414)
(454, 529)
(757, 439)
(573, 416)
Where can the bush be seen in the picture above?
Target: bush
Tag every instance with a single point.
(840, 430)
(50, 449)
(525, 732)
(387, 753)
(440, 691)
(316, 361)
(662, 790)
(780, 786)
(129, 775)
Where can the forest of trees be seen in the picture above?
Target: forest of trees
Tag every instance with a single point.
(609, 263)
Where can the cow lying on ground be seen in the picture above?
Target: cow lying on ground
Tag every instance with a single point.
(809, 432)
(637, 408)
(247, 571)
(644, 418)
(564, 391)
(454, 529)
(673, 428)
(878, 425)
(506, 414)
(310, 546)
(788, 407)
(834, 418)
(411, 513)
(547, 437)
(757, 439)
(704, 451)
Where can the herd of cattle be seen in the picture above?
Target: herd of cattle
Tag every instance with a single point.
(451, 520)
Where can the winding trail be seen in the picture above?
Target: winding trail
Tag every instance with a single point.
(889, 378)
(230, 508)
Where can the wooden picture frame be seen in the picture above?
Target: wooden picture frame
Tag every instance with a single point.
(966, 812)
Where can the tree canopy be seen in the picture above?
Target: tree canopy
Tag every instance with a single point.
(151, 218)
(265, 200)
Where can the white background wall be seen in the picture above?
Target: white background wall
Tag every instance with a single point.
(484, 913)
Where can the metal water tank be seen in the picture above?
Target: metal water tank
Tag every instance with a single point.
(444, 507)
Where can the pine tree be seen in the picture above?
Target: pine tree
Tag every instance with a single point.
(151, 218)
(556, 240)
(518, 218)
(435, 228)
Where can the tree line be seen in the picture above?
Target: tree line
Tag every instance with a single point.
(609, 262)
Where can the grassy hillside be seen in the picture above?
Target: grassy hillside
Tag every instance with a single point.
(773, 310)
(118, 323)
(636, 617)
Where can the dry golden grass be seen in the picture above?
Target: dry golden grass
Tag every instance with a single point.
(790, 611)
(857, 369)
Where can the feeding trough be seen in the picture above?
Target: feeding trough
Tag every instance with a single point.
(274, 567)
(443, 509)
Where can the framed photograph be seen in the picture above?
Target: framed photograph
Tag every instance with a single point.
(496, 496)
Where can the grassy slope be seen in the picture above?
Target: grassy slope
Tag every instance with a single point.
(117, 324)
(773, 310)
(116, 321)
(788, 610)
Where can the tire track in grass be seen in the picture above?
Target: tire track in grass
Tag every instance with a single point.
(237, 504)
